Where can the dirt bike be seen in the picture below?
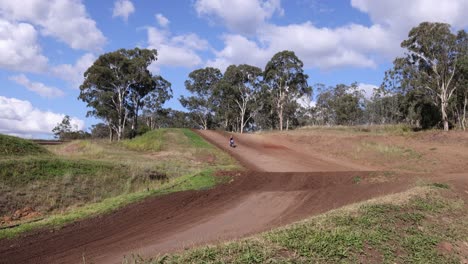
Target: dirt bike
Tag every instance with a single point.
(231, 144)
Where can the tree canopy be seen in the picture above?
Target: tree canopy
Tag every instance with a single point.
(430, 67)
(117, 85)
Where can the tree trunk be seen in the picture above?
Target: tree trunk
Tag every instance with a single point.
(119, 133)
(287, 124)
(465, 103)
(242, 122)
(281, 117)
(111, 134)
(444, 115)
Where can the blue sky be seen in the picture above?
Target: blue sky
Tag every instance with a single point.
(45, 46)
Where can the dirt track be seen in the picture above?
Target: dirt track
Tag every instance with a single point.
(284, 184)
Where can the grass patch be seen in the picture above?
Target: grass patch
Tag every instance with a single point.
(20, 172)
(54, 184)
(150, 141)
(393, 230)
(394, 151)
(14, 146)
(195, 140)
(440, 185)
(357, 180)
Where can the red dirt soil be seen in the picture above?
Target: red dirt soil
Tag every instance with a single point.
(283, 185)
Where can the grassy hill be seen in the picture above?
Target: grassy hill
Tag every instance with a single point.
(13, 146)
(81, 178)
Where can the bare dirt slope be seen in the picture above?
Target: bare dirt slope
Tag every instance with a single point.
(284, 183)
(264, 153)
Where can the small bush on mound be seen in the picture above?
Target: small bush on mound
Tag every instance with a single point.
(14, 146)
(150, 141)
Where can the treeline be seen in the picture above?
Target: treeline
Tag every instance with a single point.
(426, 88)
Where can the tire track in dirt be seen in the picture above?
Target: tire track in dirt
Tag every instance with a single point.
(271, 194)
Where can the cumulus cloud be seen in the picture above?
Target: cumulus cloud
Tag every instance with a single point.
(317, 47)
(74, 73)
(123, 9)
(162, 20)
(65, 20)
(240, 16)
(402, 15)
(37, 87)
(351, 45)
(19, 117)
(368, 89)
(239, 50)
(19, 49)
(177, 51)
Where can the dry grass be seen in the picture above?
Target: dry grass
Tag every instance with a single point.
(82, 172)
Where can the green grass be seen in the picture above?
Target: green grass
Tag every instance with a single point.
(391, 150)
(20, 172)
(150, 141)
(195, 140)
(440, 185)
(394, 230)
(54, 184)
(13, 146)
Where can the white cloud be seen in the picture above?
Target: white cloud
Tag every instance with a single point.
(368, 89)
(74, 74)
(397, 17)
(66, 20)
(123, 8)
(177, 51)
(351, 45)
(321, 47)
(317, 47)
(306, 102)
(37, 87)
(162, 20)
(240, 50)
(241, 16)
(402, 15)
(19, 117)
(19, 49)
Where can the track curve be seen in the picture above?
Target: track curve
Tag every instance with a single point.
(255, 201)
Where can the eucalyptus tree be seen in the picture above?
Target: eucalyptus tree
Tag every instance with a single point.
(340, 105)
(285, 77)
(116, 85)
(152, 103)
(430, 64)
(201, 84)
(243, 85)
(461, 100)
(62, 128)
